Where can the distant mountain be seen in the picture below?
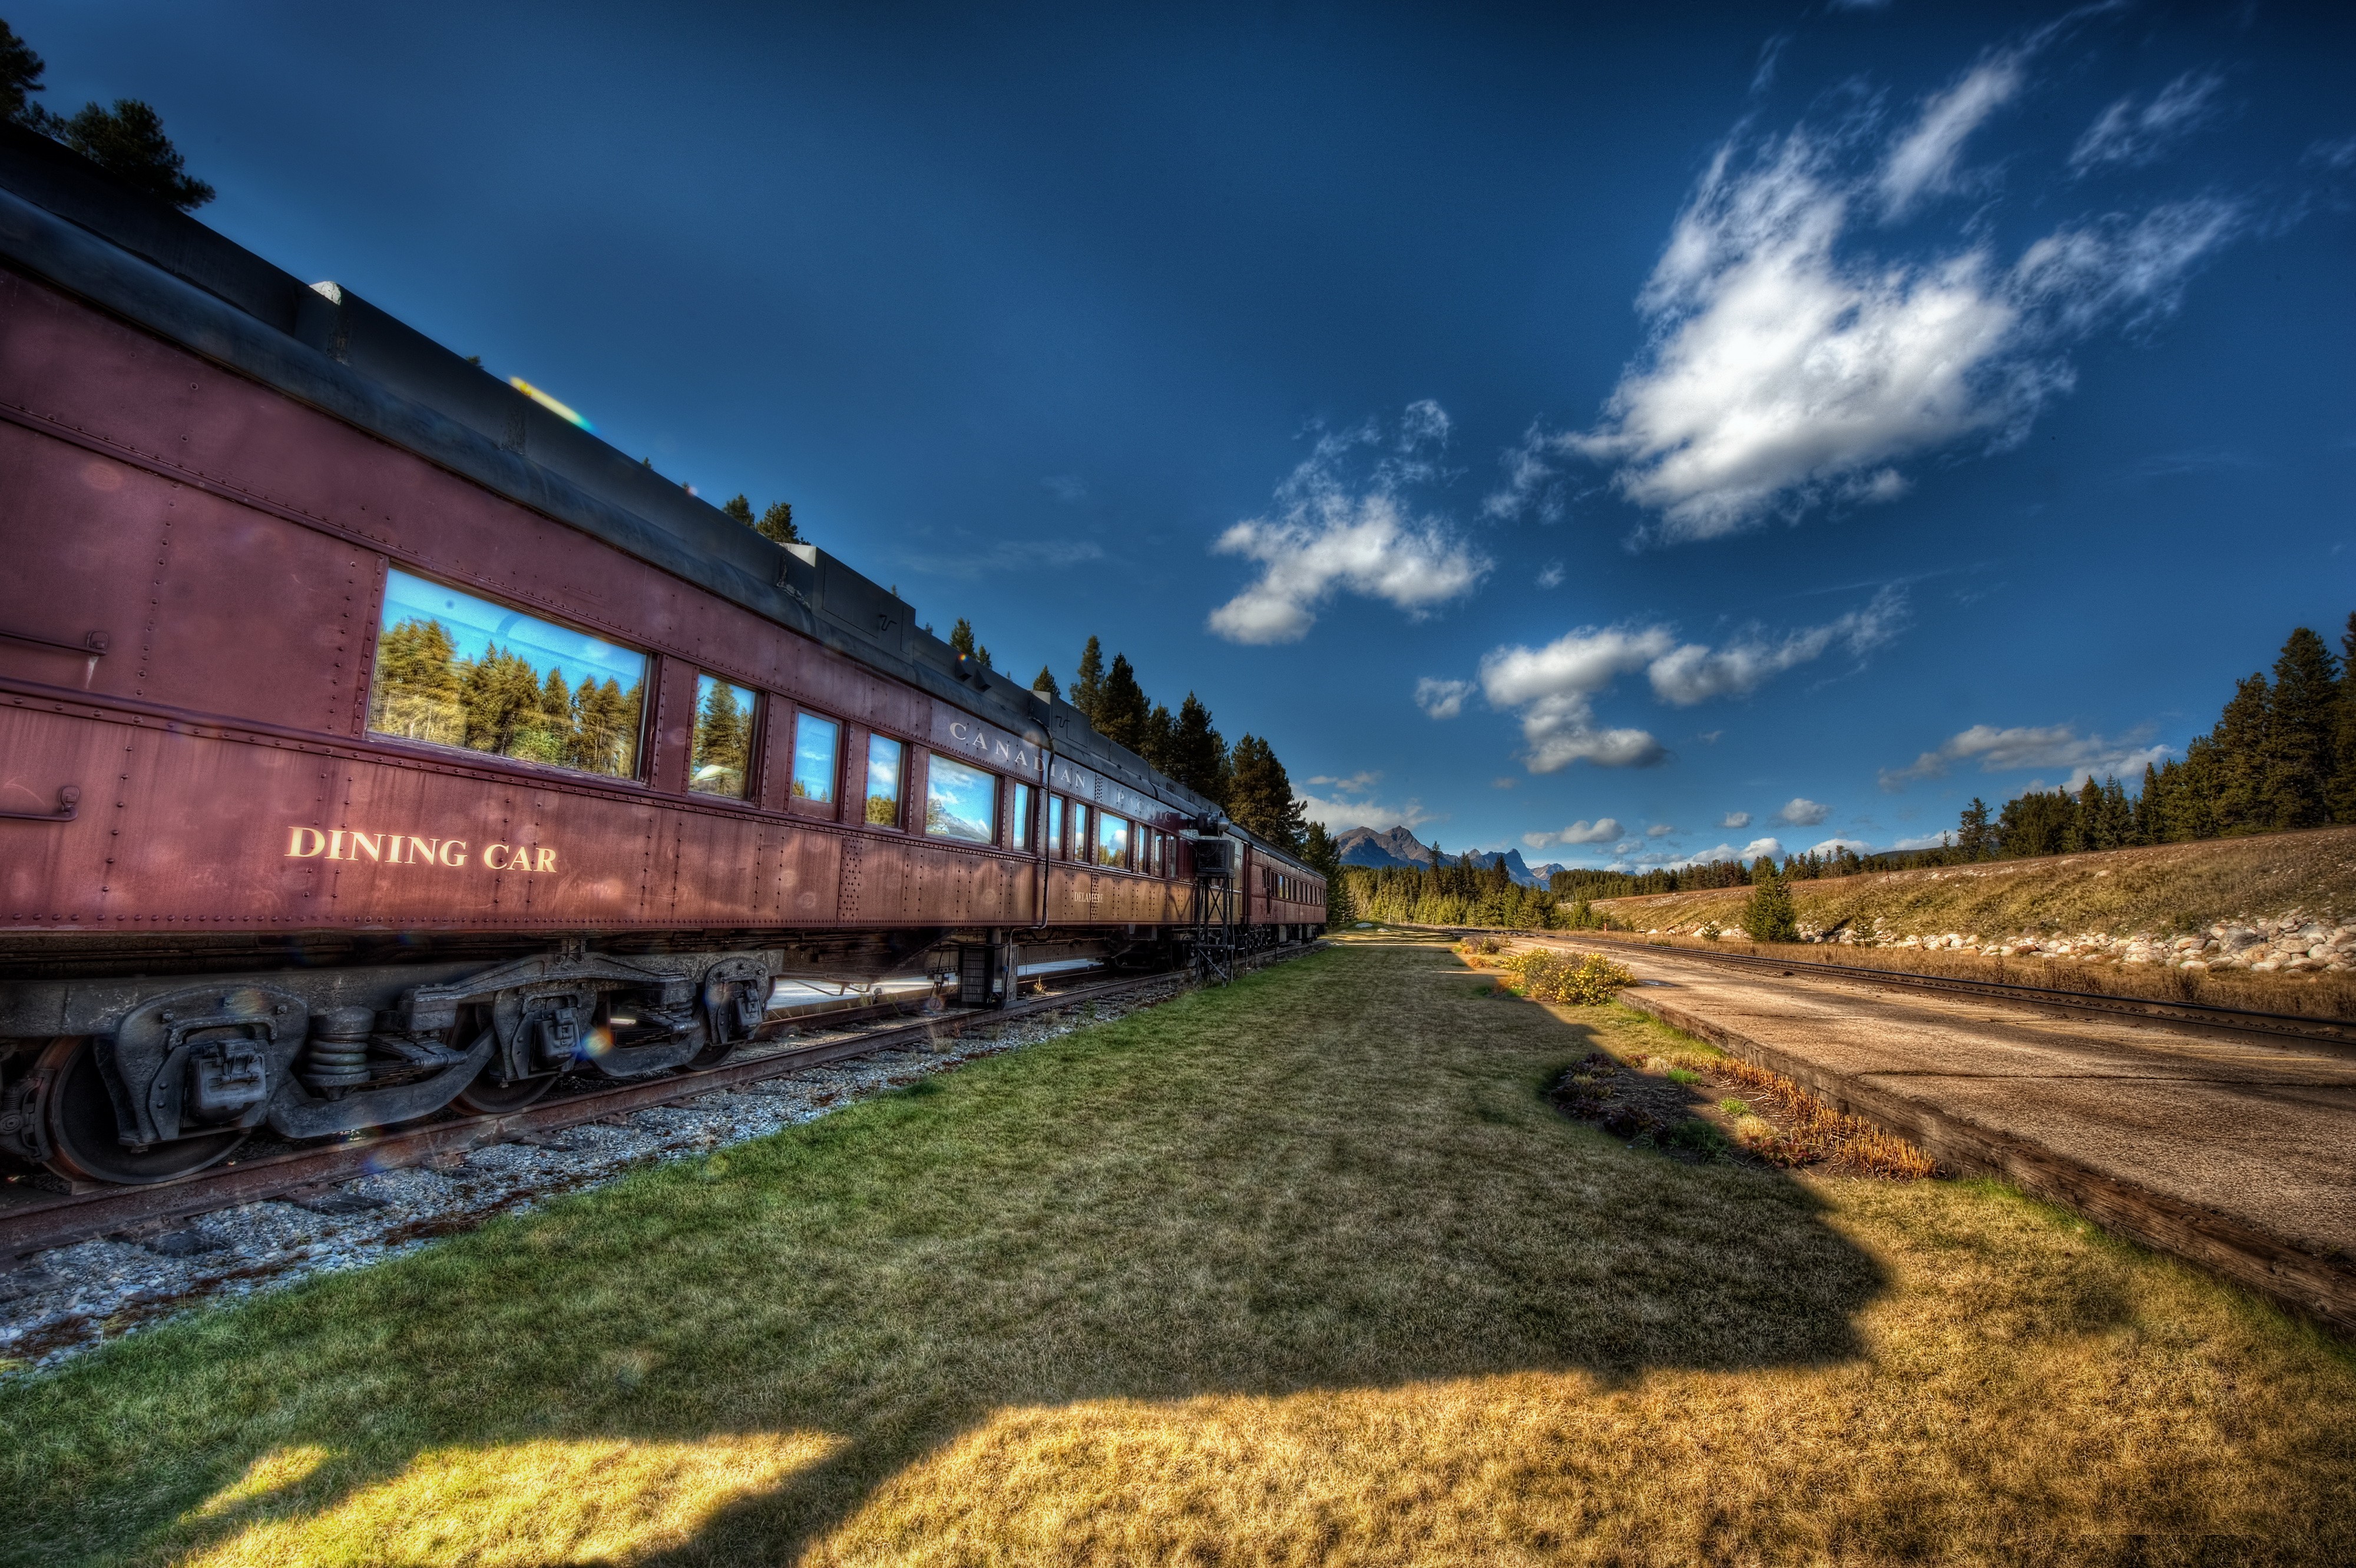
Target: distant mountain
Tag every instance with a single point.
(1364, 846)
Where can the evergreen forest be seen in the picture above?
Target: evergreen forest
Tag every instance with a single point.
(500, 704)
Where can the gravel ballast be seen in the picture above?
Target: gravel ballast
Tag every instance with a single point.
(58, 1304)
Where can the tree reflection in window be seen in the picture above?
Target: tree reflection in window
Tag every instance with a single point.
(723, 738)
(1112, 839)
(883, 781)
(454, 669)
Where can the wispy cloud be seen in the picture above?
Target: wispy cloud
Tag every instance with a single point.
(1735, 819)
(1659, 831)
(1343, 523)
(1442, 699)
(1784, 371)
(1012, 555)
(1351, 804)
(1693, 672)
(1066, 487)
(1549, 576)
(1603, 830)
(1922, 161)
(1553, 688)
(2123, 134)
(2021, 747)
(1799, 812)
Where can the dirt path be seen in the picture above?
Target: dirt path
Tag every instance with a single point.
(2238, 1152)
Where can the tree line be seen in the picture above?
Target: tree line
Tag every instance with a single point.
(500, 704)
(2281, 756)
(127, 141)
(1468, 890)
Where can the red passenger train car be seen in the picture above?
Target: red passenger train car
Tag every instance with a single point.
(373, 739)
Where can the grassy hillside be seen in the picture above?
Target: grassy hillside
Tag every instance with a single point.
(2165, 890)
(1306, 1270)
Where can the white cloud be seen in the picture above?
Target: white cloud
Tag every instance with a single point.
(1923, 161)
(2022, 747)
(1921, 841)
(1355, 784)
(1694, 673)
(1335, 529)
(1758, 847)
(1799, 812)
(1550, 575)
(1442, 699)
(1783, 372)
(1553, 688)
(1603, 830)
(1338, 814)
(2123, 134)
(1856, 846)
(1659, 831)
(1736, 820)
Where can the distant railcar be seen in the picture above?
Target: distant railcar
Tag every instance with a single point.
(373, 739)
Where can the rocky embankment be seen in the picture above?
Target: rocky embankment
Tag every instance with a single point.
(2284, 944)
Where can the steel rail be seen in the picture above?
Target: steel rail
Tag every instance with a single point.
(2298, 1026)
(44, 1219)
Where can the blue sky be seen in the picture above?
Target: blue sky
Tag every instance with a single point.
(1615, 438)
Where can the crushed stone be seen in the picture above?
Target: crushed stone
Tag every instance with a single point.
(59, 1303)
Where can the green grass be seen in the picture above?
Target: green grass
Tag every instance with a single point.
(1303, 1270)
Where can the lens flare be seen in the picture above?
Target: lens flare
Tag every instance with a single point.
(549, 403)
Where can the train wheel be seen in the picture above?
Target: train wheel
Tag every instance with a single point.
(79, 1120)
(488, 1097)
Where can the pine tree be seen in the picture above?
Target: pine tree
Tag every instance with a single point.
(2236, 785)
(2341, 793)
(1972, 836)
(416, 689)
(1089, 684)
(1317, 849)
(1160, 739)
(739, 508)
(1768, 915)
(1260, 795)
(1198, 757)
(776, 525)
(128, 142)
(2301, 721)
(1045, 682)
(1122, 712)
(20, 78)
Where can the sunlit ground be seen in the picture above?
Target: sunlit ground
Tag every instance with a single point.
(1305, 1270)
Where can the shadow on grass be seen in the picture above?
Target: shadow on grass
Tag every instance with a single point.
(1340, 1173)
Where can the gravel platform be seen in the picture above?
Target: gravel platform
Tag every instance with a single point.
(56, 1305)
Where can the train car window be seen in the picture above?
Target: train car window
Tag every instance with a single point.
(1056, 826)
(1112, 839)
(1021, 814)
(817, 744)
(961, 803)
(453, 670)
(716, 763)
(883, 760)
(1080, 841)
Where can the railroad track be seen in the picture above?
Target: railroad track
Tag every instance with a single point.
(2295, 1026)
(33, 1219)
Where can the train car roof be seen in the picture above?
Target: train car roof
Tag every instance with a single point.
(68, 223)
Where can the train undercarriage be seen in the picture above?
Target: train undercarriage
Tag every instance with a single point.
(124, 1063)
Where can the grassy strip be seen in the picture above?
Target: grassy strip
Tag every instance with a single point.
(1804, 1131)
(1305, 1269)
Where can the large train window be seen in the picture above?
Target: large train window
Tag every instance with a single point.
(1056, 826)
(1112, 839)
(961, 803)
(453, 670)
(883, 760)
(817, 744)
(1021, 814)
(723, 749)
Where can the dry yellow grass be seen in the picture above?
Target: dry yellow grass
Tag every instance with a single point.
(1307, 1271)
(2166, 888)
